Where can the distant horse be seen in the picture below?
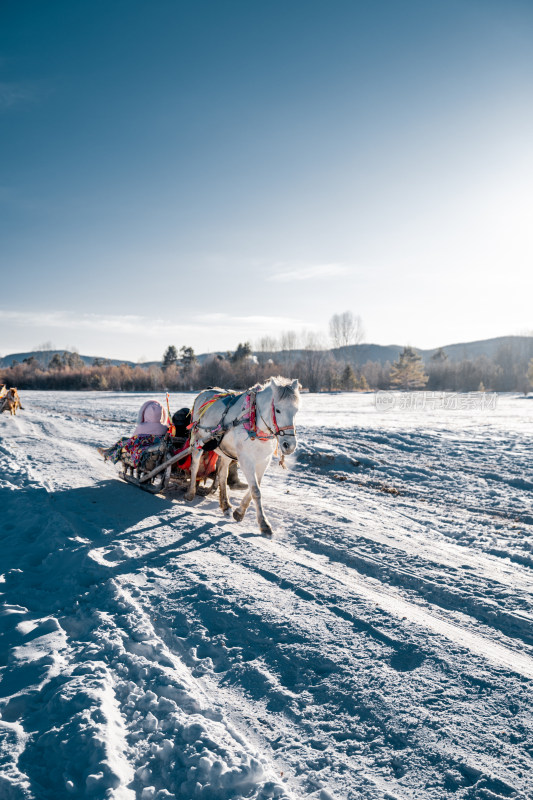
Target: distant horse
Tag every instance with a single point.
(10, 402)
(246, 426)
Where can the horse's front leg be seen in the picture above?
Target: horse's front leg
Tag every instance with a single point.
(223, 469)
(254, 474)
(195, 463)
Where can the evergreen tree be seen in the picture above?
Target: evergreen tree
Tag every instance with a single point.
(408, 371)
(56, 362)
(242, 351)
(363, 384)
(348, 379)
(170, 356)
(188, 358)
(73, 360)
(439, 355)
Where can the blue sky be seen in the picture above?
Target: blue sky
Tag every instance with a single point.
(208, 172)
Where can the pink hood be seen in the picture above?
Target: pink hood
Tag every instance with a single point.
(152, 418)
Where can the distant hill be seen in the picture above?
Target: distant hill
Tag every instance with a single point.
(521, 346)
(359, 354)
(45, 356)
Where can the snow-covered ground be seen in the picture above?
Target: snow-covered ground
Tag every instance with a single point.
(379, 646)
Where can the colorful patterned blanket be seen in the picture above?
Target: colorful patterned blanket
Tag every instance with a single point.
(136, 448)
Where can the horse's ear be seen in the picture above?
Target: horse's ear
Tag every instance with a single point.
(296, 385)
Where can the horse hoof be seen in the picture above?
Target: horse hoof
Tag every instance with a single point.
(267, 531)
(238, 516)
(189, 497)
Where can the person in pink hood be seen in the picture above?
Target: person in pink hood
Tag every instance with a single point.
(152, 419)
(152, 424)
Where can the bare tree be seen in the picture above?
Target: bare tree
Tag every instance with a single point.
(45, 347)
(313, 362)
(288, 340)
(266, 347)
(288, 343)
(346, 329)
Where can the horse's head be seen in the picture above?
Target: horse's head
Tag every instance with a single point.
(285, 404)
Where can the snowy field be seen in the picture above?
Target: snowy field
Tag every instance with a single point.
(379, 646)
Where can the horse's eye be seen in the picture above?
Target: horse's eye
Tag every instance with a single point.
(278, 411)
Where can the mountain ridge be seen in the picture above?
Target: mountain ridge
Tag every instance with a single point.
(358, 354)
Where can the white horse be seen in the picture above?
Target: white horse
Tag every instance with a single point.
(247, 427)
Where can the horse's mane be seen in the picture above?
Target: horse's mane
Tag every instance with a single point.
(285, 387)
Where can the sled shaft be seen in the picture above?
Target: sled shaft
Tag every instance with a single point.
(161, 467)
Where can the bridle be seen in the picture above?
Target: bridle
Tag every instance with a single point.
(278, 431)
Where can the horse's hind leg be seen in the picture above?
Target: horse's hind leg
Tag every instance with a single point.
(195, 457)
(225, 505)
(216, 479)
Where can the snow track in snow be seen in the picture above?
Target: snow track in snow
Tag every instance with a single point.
(378, 647)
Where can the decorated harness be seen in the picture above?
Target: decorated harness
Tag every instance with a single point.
(247, 418)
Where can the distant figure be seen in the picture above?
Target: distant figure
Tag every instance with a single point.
(3, 390)
(10, 401)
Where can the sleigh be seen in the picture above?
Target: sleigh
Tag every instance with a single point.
(246, 427)
(168, 462)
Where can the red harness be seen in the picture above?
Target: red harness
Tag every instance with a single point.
(261, 435)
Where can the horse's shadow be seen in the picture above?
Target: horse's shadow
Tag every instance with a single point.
(94, 518)
(99, 530)
(111, 507)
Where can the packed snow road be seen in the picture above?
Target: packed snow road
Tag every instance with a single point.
(379, 646)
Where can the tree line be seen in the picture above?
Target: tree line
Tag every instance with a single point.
(314, 365)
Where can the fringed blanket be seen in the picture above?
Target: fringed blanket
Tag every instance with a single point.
(136, 447)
